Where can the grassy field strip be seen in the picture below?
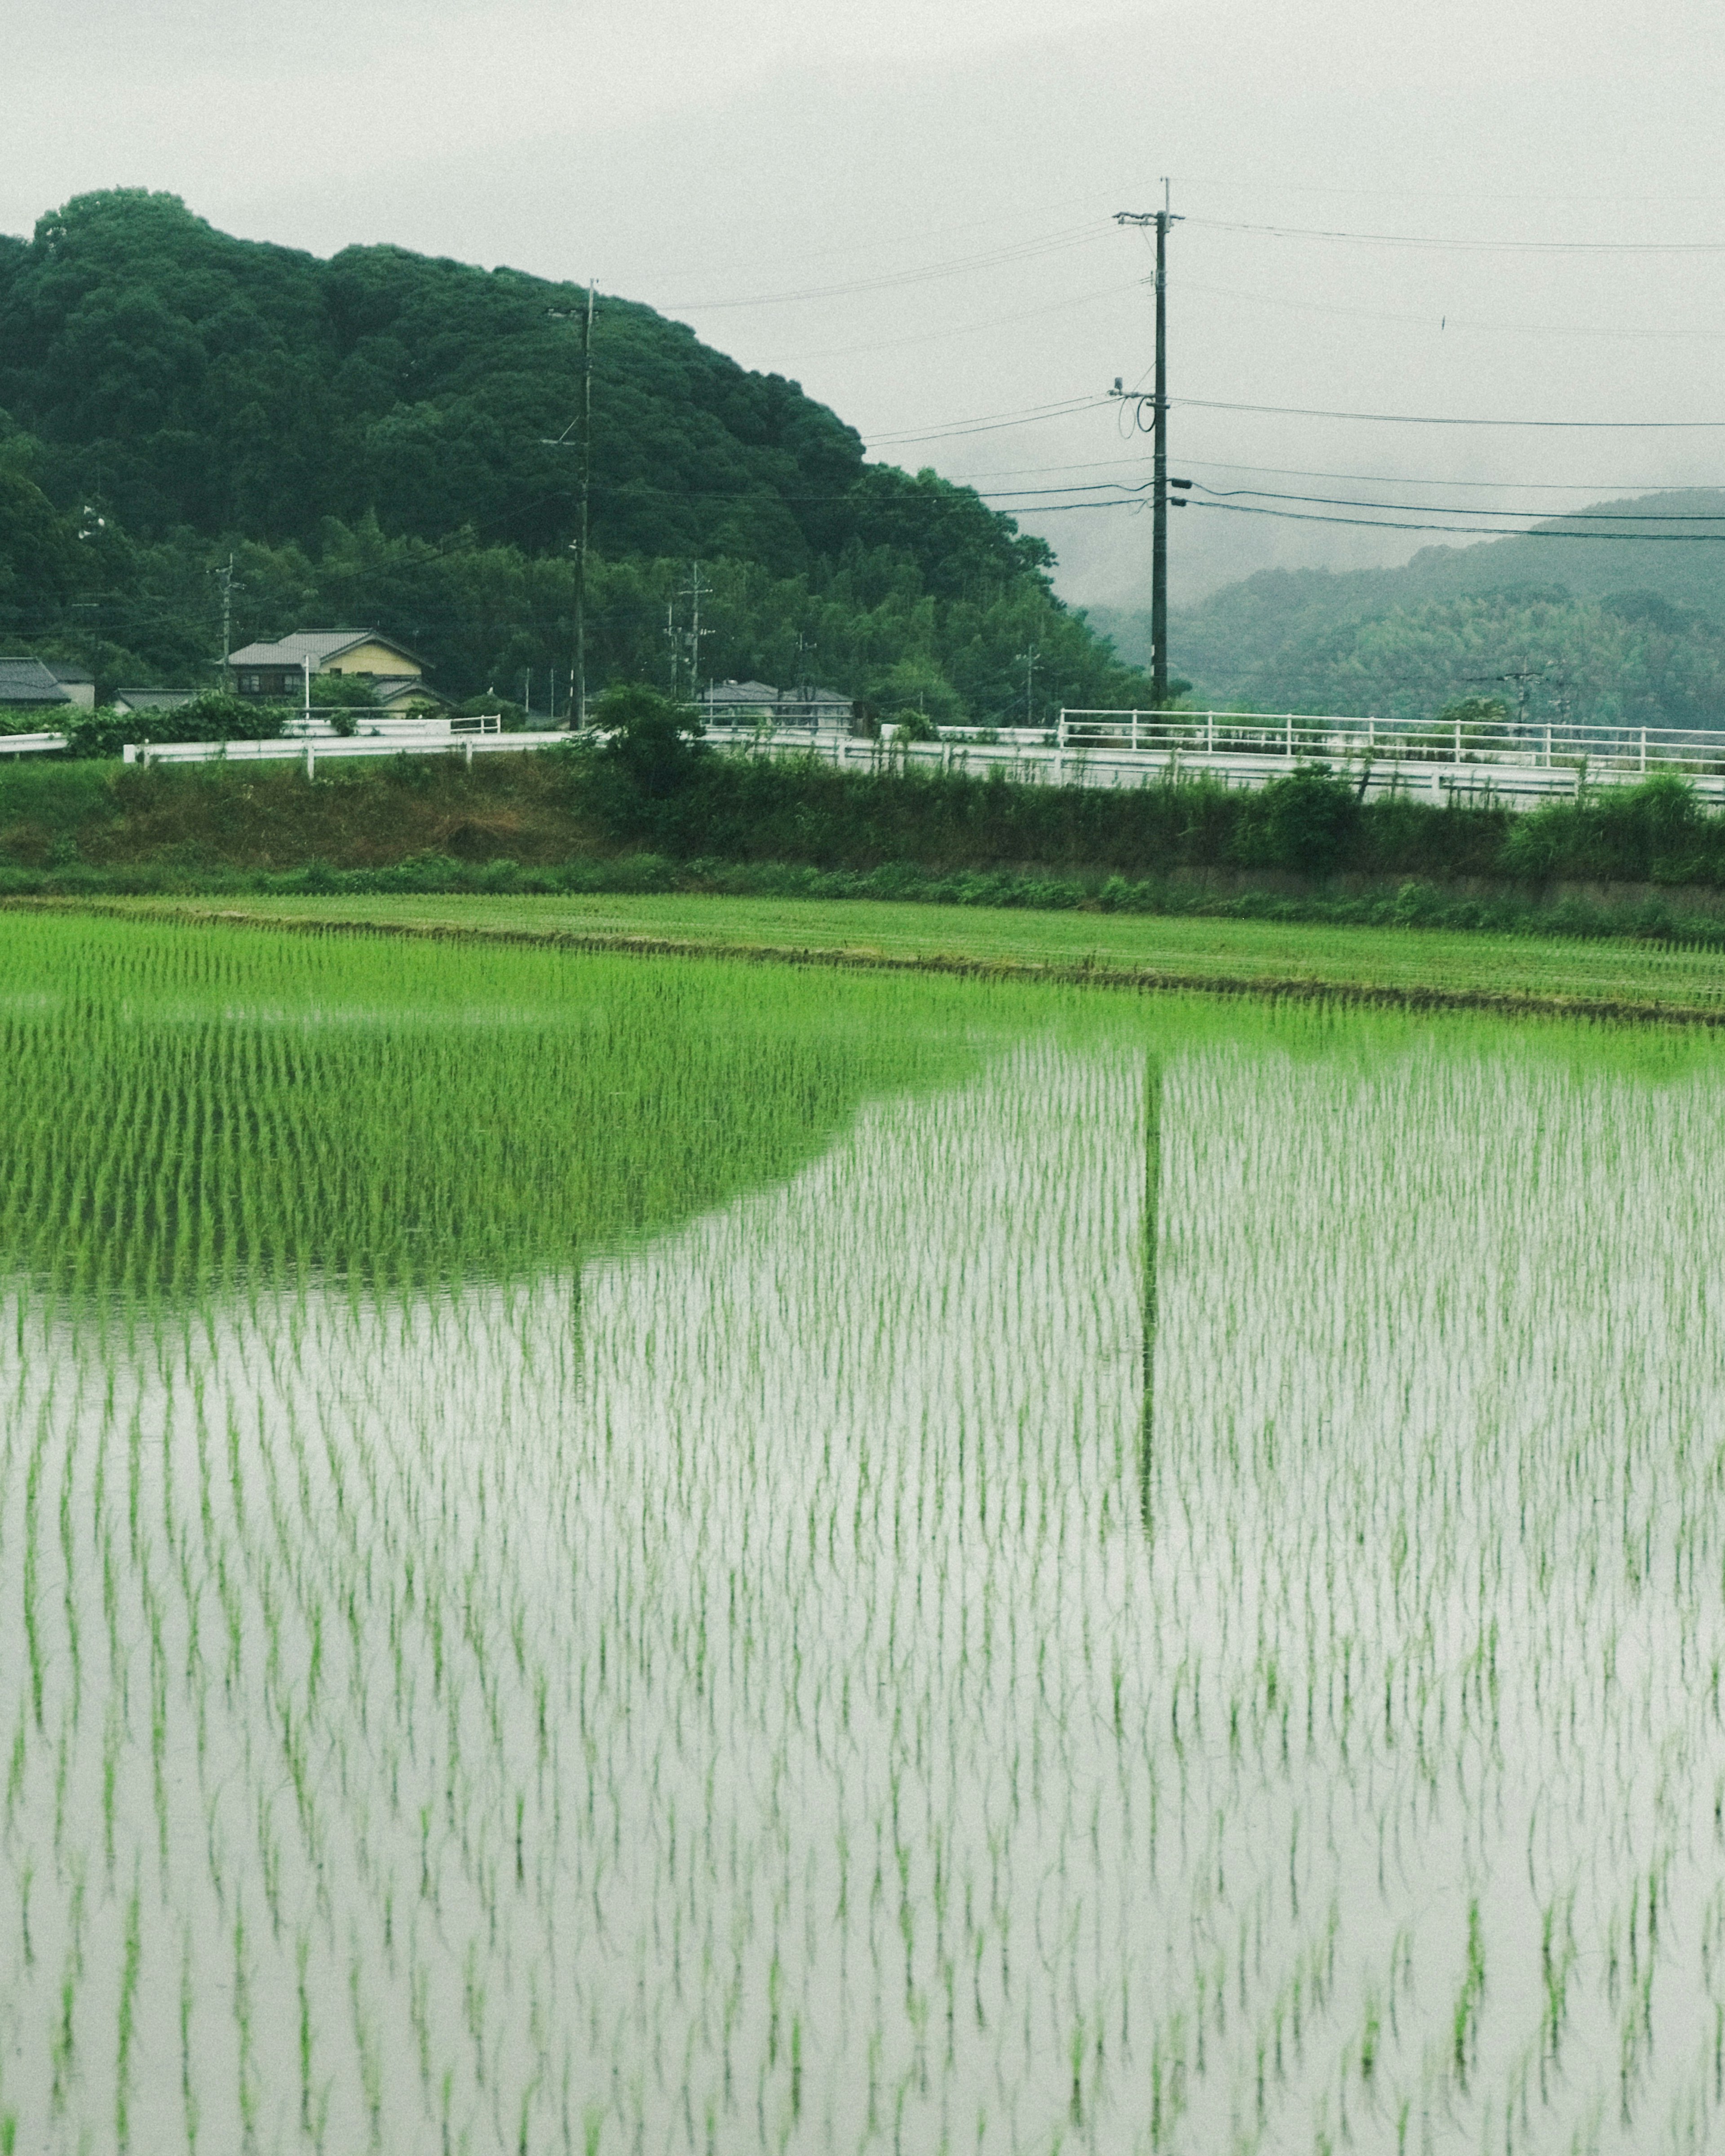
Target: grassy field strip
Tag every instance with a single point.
(1413, 968)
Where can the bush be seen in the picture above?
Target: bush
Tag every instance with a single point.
(652, 754)
(212, 716)
(1657, 832)
(1307, 821)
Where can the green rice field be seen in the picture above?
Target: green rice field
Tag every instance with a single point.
(1650, 975)
(608, 1555)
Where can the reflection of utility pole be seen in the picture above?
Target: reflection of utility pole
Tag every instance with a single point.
(1152, 1232)
(1162, 220)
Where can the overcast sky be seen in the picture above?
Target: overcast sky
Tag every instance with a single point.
(734, 162)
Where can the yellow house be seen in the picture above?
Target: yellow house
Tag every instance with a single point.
(276, 673)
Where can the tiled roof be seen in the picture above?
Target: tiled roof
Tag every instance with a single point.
(29, 681)
(740, 692)
(319, 645)
(153, 699)
(78, 673)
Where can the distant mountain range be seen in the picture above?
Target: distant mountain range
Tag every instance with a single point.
(1607, 626)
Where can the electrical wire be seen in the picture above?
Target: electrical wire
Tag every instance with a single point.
(1437, 509)
(1424, 321)
(1427, 419)
(991, 422)
(1082, 235)
(1483, 246)
(964, 328)
(1482, 531)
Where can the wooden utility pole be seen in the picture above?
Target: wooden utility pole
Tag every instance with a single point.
(584, 419)
(1162, 220)
(580, 714)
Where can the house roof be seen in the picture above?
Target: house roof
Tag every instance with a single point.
(78, 673)
(153, 699)
(740, 692)
(29, 681)
(405, 688)
(319, 645)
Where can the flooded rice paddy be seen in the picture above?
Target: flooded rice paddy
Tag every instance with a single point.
(607, 1556)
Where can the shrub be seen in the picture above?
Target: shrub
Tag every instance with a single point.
(1305, 821)
(212, 716)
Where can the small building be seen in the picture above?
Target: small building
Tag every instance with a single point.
(758, 703)
(276, 673)
(151, 700)
(30, 685)
(408, 694)
(78, 682)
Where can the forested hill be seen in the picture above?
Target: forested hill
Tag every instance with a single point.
(381, 410)
(1618, 626)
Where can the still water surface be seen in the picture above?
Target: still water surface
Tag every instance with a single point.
(1154, 1585)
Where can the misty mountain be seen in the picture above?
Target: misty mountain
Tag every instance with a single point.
(1614, 626)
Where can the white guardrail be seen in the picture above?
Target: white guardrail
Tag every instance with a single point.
(1508, 767)
(314, 744)
(1512, 766)
(1512, 762)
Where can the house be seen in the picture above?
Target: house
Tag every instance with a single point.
(408, 693)
(753, 703)
(151, 700)
(29, 685)
(737, 703)
(276, 673)
(79, 684)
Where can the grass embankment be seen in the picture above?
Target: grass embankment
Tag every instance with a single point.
(1412, 967)
(1645, 864)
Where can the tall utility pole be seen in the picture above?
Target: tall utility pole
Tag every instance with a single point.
(1030, 658)
(578, 672)
(225, 578)
(692, 592)
(580, 713)
(1162, 220)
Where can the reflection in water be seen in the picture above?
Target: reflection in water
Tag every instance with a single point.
(752, 1714)
(1152, 1235)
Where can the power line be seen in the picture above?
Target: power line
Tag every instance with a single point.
(963, 329)
(1436, 509)
(1427, 419)
(1462, 322)
(1360, 479)
(1484, 246)
(1481, 531)
(1082, 235)
(990, 423)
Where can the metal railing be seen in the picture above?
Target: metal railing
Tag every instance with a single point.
(311, 750)
(1300, 736)
(41, 744)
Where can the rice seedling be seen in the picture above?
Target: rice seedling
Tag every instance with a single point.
(608, 1556)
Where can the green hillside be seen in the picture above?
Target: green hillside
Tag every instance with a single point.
(1617, 627)
(374, 436)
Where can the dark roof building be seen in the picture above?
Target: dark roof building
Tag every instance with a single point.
(29, 682)
(78, 682)
(151, 700)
